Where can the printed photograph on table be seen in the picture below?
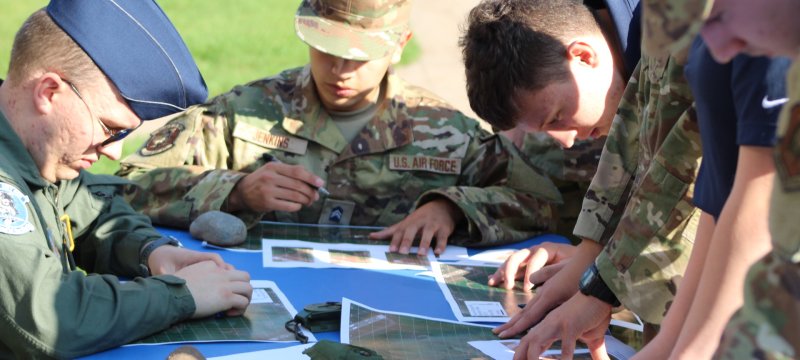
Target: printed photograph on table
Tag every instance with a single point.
(287, 254)
(349, 256)
(263, 321)
(395, 335)
(281, 253)
(405, 336)
(471, 299)
(408, 259)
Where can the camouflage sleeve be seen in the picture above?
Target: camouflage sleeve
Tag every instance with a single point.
(183, 170)
(605, 199)
(503, 198)
(647, 249)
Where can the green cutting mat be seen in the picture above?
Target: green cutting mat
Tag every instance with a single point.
(261, 322)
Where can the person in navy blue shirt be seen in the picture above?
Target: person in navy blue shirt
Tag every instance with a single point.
(737, 106)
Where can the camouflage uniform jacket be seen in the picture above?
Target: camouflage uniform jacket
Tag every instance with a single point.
(49, 310)
(639, 205)
(766, 327)
(571, 171)
(416, 148)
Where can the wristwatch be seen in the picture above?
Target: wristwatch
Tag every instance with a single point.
(144, 254)
(593, 285)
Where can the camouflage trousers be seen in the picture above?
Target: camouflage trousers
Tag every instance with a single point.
(768, 325)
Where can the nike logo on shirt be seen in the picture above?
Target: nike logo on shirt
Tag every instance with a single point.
(766, 103)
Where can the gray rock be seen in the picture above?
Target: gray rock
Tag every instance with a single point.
(219, 228)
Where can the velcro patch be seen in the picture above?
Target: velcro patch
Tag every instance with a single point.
(336, 212)
(268, 140)
(424, 163)
(14, 215)
(787, 153)
(162, 139)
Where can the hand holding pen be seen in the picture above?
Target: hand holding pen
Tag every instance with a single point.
(275, 186)
(269, 158)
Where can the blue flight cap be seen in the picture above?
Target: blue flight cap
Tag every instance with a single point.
(135, 45)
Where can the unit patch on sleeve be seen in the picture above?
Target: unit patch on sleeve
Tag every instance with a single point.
(162, 139)
(787, 153)
(14, 215)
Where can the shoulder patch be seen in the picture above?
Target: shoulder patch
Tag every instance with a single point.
(162, 139)
(787, 153)
(14, 215)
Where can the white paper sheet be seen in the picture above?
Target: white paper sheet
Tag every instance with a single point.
(504, 349)
(292, 352)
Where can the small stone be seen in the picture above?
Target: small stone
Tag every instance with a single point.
(219, 228)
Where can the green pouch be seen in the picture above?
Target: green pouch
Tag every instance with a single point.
(320, 317)
(329, 350)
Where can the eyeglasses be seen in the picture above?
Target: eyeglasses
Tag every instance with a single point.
(113, 135)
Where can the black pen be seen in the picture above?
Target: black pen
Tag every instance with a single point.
(269, 158)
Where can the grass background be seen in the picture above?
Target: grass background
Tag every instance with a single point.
(233, 42)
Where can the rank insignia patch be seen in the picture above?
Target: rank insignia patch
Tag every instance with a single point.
(336, 212)
(14, 215)
(787, 153)
(336, 215)
(161, 140)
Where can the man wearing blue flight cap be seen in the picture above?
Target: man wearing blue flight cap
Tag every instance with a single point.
(83, 74)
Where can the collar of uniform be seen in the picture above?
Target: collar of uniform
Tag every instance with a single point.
(390, 128)
(13, 148)
(306, 117)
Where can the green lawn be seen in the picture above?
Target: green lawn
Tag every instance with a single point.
(232, 41)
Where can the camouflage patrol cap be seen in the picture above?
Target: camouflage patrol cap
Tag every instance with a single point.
(353, 29)
(671, 25)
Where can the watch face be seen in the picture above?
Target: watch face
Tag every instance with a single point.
(587, 278)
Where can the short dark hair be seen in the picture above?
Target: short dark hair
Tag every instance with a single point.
(511, 45)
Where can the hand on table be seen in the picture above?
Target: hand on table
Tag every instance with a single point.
(435, 219)
(582, 318)
(169, 259)
(539, 262)
(558, 288)
(275, 187)
(216, 289)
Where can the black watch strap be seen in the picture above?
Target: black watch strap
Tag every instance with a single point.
(144, 254)
(593, 285)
